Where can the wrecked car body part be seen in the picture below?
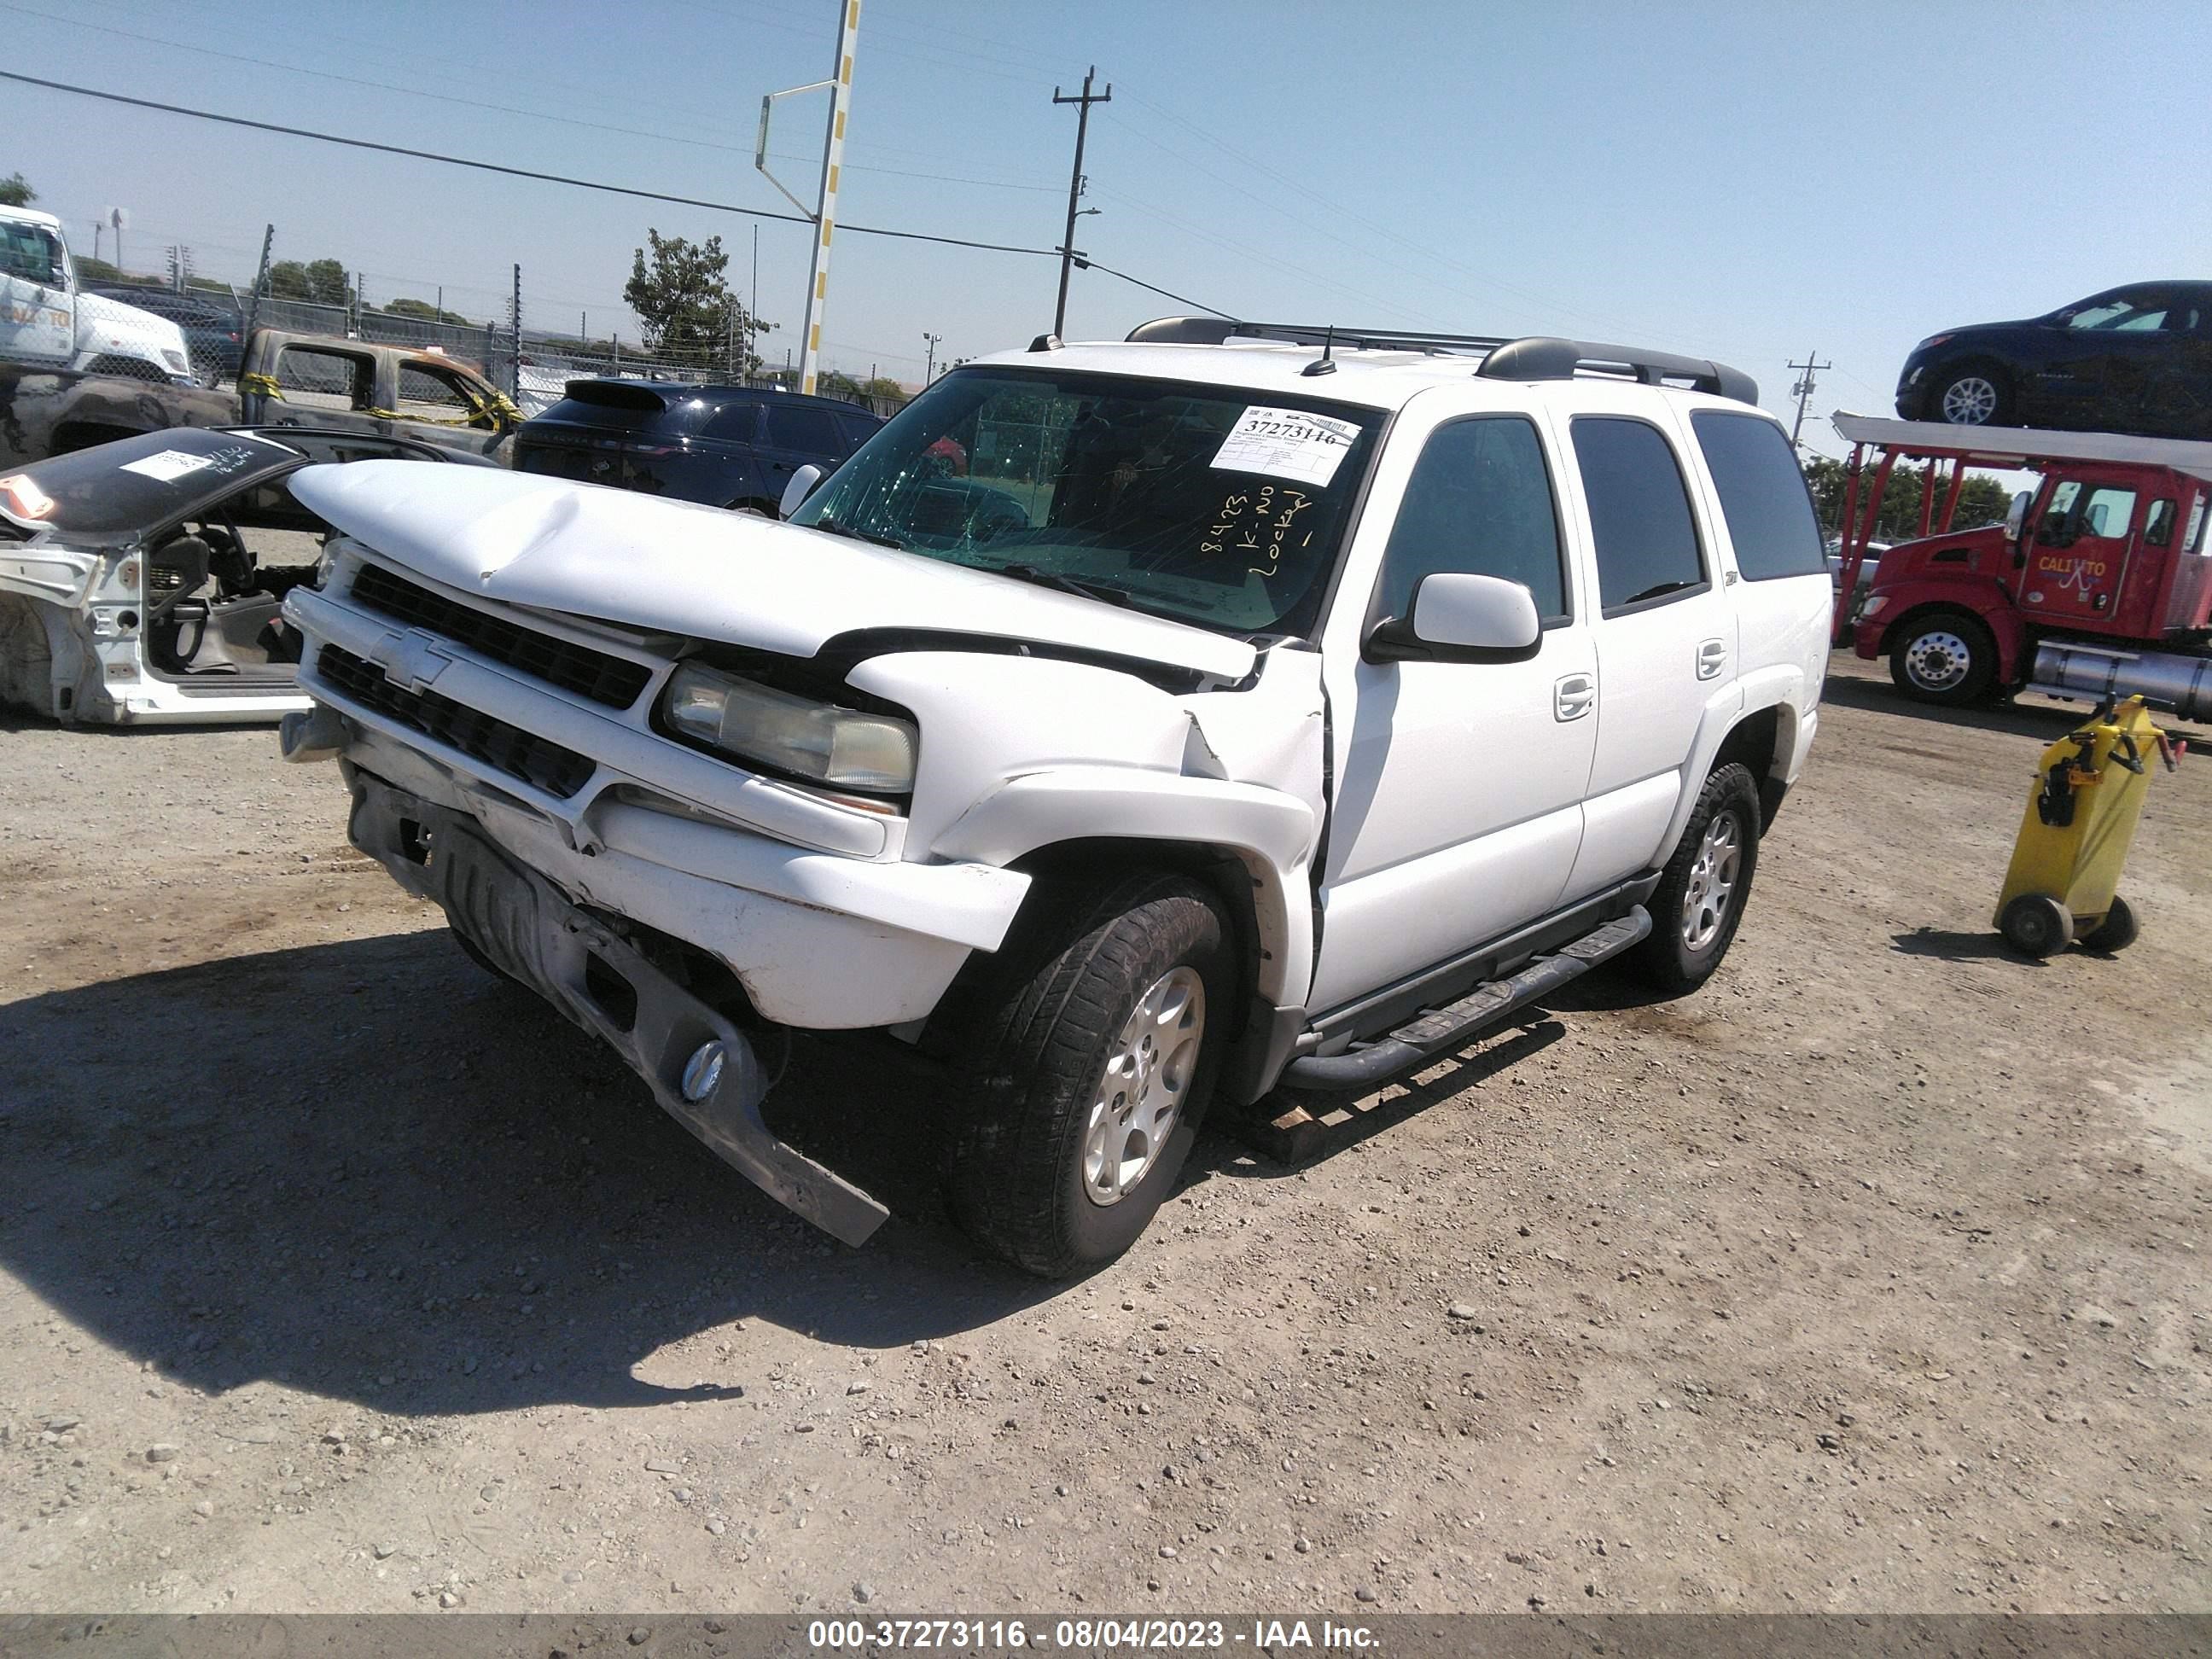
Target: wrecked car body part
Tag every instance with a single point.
(701, 1068)
(141, 581)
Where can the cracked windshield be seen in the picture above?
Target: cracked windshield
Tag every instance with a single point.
(1222, 508)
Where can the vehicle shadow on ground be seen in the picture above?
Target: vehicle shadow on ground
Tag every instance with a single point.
(2045, 722)
(368, 1170)
(1245, 1148)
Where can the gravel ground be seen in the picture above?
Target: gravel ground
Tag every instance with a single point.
(335, 1276)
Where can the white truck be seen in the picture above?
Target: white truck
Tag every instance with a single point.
(1129, 726)
(46, 322)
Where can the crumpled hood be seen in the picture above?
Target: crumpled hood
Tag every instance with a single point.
(676, 568)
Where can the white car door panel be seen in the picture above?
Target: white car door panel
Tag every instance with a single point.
(1456, 805)
(1389, 922)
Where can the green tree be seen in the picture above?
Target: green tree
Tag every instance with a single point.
(423, 310)
(16, 191)
(319, 281)
(884, 387)
(684, 303)
(1982, 499)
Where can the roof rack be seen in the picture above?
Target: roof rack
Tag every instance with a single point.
(1533, 357)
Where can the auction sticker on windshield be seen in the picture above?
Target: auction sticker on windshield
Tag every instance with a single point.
(1287, 443)
(169, 465)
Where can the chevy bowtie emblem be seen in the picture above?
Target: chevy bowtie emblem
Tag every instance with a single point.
(410, 660)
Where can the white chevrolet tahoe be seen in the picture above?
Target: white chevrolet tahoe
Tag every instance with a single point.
(1127, 726)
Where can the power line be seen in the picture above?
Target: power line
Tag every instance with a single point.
(500, 109)
(1092, 264)
(510, 172)
(555, 178)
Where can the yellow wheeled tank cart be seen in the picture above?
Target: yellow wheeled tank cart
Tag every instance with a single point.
(2088, 796)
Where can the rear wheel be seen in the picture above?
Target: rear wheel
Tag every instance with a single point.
(1083, 1073)
(1943, 657)
(2117, 931)
(1701, 895)
(1973, 394)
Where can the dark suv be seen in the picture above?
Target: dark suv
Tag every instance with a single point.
(2135, 359)
(727, 446)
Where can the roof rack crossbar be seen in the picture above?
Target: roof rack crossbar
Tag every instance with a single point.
(1532, 357)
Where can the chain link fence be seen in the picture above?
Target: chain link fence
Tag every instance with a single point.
(532, 366)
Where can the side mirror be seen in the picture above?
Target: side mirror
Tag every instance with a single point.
(1456, 615)
(796, 492)
(2016, 515)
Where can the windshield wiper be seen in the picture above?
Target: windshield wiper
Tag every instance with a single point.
(826, 522)
(1043, 577)
(1654, 593)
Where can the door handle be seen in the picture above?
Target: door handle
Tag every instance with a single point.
(1573, 696)
(1712, 657)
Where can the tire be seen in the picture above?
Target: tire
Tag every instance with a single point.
(2036, 925)
(1970, 394)
(2116, 932)
(1037, 1172)
(1944, 657)
(1701, 895)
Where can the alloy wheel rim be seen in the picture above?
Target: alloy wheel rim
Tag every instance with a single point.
(1970, 400)
(1142, 1087)
(1937, 661)
(1712, 884)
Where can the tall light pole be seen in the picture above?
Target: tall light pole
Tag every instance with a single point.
(930, 368)
(825, 211)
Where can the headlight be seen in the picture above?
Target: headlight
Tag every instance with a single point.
(1873, 605)
(817, 741)
(176, 360)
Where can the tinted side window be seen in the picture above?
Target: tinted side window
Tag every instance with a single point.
(857, 430)
(1762, 494)
(796, 426)
(737, 423)
(1480, 501)
(1639, 508)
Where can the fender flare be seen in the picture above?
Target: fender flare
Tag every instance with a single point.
(1270, 833)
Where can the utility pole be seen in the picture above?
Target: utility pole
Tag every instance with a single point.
(1082, 102)
(932, 364)
(1804, 390)
(514, 338)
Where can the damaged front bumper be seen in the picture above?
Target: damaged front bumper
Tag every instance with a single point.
(699, 1066)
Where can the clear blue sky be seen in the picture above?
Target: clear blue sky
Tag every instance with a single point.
(1745, 181)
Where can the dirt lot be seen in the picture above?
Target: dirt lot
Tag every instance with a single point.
(334, 1275)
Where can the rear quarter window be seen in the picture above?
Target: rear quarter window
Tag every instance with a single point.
(1763, 495)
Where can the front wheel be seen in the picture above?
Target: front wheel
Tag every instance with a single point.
(1945, 656)
(1084, 1074)
(1701, 895)
(2037, 925)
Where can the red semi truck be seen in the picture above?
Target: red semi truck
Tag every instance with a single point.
(2098, 584)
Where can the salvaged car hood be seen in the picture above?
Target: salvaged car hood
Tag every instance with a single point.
(676, 567)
